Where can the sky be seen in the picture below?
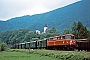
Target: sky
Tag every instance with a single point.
(15, 8)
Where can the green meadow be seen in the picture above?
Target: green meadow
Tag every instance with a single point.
(24, 54)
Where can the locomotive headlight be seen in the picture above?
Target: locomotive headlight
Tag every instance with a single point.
(63, 41)
(71, 41)
(67, 42)
(74, 42)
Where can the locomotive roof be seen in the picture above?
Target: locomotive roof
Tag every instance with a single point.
(27, 42)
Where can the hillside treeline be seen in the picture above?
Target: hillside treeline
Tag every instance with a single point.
(26, 35)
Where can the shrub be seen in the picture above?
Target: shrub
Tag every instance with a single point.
(3, 46)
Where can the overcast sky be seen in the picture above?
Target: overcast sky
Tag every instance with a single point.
(15, 8)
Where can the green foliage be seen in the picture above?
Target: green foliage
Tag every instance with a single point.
(49, 33)
(24, 35)
(67, 31)
(80, 31)
(3, 46)
(16, 36)
(83, 33)
(62, 55)
(34, 39)
(16, 55)
(52, 30)
(74, 29)
(59, 55)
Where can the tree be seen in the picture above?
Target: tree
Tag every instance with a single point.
(52, 30)
(80, 31)
(67, 31)
(28, 37)
(80, 25)
(83, 33)
(75, 29)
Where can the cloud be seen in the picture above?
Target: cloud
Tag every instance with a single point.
(14, 8)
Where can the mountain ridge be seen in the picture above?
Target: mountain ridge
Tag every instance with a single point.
(60, 18)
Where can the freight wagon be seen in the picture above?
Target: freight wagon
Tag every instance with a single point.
(33, 45)
(27, 45)
(83, 44)
(42, 43)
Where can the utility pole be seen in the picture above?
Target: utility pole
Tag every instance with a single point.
(29, 46)
(30, 41)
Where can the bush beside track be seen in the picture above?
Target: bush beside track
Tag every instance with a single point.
(61, 55)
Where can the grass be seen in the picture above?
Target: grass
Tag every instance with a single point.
(24, 54)
(64, 55)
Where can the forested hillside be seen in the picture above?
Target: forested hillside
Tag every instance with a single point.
(60, 18)
(26, 35)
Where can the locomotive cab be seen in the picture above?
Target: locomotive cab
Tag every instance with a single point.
(70, 39)
(70, 36)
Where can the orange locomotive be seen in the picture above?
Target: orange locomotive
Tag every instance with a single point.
(64, 42)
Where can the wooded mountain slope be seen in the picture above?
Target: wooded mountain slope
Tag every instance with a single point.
(60, 18)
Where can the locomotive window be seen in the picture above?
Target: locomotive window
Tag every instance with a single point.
(68, 37)
(72, 37)
(51, 39)
(55, 38)
(63, 37)
(58, 38)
